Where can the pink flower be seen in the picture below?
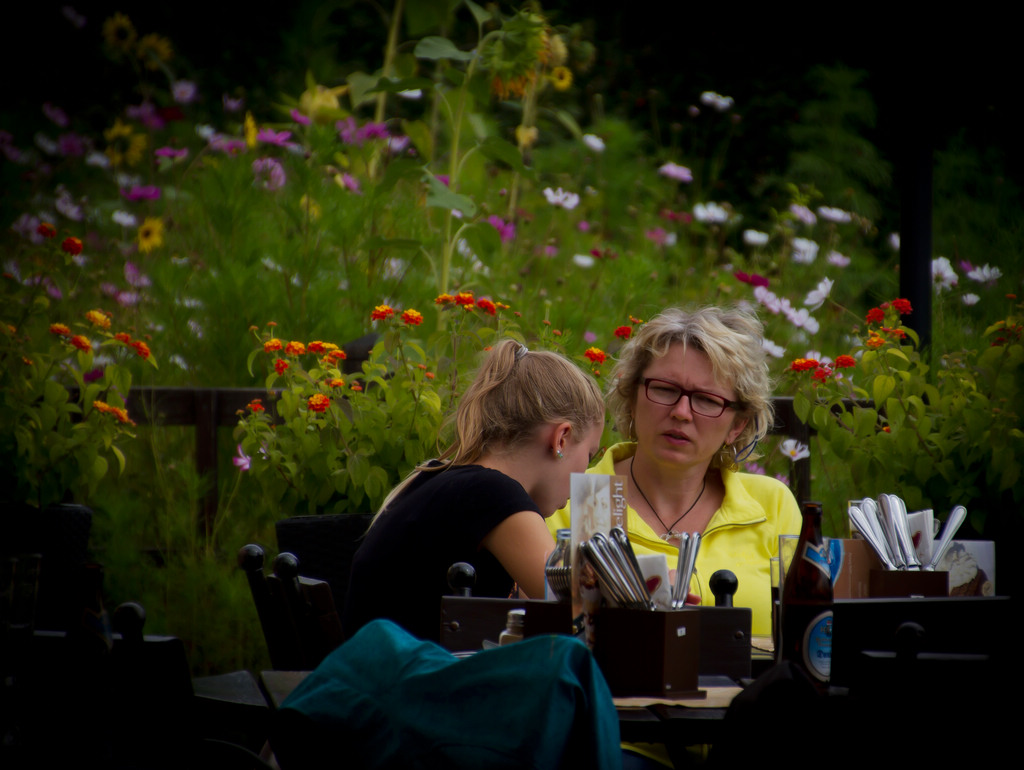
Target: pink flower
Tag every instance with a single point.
(171, 152)
(676, 172)
(753, 278)
(298, 117)
(242, 461)
(184, 91)
(141, 193)
(232, 104)
(146, 114)
(276, 138)
(506, 230)
(269, 173)
(350, 182)
(55, 114)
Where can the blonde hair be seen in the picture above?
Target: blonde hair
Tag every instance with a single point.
(514, 392)
(731, 339)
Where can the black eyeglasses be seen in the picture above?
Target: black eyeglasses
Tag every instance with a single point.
(668, 394)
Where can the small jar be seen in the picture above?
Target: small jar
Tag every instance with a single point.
(513, 627)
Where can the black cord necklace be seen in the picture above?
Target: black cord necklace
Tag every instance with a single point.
(670, 532)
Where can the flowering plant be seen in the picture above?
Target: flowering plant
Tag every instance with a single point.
(62, 394)
(333, 441)
(936, 435)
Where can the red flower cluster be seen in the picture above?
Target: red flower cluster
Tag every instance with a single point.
(141, 348)
(294, 348)
(382, 313)
(487, 306)
(280, 365)
(412, 317)
(875, 315)
(902, 306)
(72, 246)
(464, 298)
(255, 406)
(334, 356)
(444, 299)
(318, 402)
(625, 332)
(822, 373)
(596, 355)
(317, 347)
(844, 362)
(803, 365)
(47, 230)
(82, 343)
(272, 344)
(61, 330)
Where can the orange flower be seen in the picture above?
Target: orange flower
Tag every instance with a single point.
(82, 343)
(624, 331)
(596, 355)
(845, 362)
(382, 313)
(874, 341)
(894, 332)
(337, 382)
(317, 347)
(444, 299)
(46, 230)
(72, 246)
(271, 345)
(61, 330)
(280, 365)
(141, 348)
(412, 318)
(318, 402)
(803, 365)
(464, 298)
(255, 406)
(487, 306)
(887, 429)
(429, 375)
(635, 321)
(294, 348)
(357, 387)
(123, 337)
(98, 318)
(120, 414)
(336, 355)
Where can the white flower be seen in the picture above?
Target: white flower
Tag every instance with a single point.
(794, 450)
(803, 213)
(817, 297)
(559, 197)
(719, 102)
(583, 260)
(710, 212)
(802, 319)
(594, 142)
(894, 241)
(97, 159)
(412, 94)
(834, 214)
(776, 351)
(768, 299)
(970, 299)
(205, 132)
(46, 144)
(675, 171)
(184, 91)
(124, 218)
(943, 275)
(755, 238)
(805, 251)
(817, 356)
(985, 274)
(837, 259)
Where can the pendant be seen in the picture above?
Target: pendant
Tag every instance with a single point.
(670, 535)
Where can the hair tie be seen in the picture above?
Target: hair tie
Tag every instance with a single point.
(521, 352)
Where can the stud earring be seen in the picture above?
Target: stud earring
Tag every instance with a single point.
(559, 455)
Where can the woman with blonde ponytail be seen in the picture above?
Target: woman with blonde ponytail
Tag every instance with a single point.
(528, 421)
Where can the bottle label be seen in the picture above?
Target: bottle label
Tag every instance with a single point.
(817, 647)
(818, 556)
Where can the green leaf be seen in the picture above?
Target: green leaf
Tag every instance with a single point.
(499, 149)
(482, 15)
(390, 86)
(378, 242)
(440, 196)
(802, 407)
(894, 413)
(866, 421)
(883, 385)
(434, 47)
(397, 170)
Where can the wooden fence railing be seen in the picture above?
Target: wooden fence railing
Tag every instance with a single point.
(212, 409)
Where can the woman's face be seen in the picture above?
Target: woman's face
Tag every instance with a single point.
(676, 435)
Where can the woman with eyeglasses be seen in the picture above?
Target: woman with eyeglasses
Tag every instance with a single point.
(691, 392)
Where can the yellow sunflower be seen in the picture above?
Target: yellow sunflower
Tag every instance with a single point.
(124, 146)
(155, 51)
(561, 78)
(119, 32)
(151, 234)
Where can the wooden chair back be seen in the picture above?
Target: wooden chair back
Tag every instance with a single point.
(297, 614)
